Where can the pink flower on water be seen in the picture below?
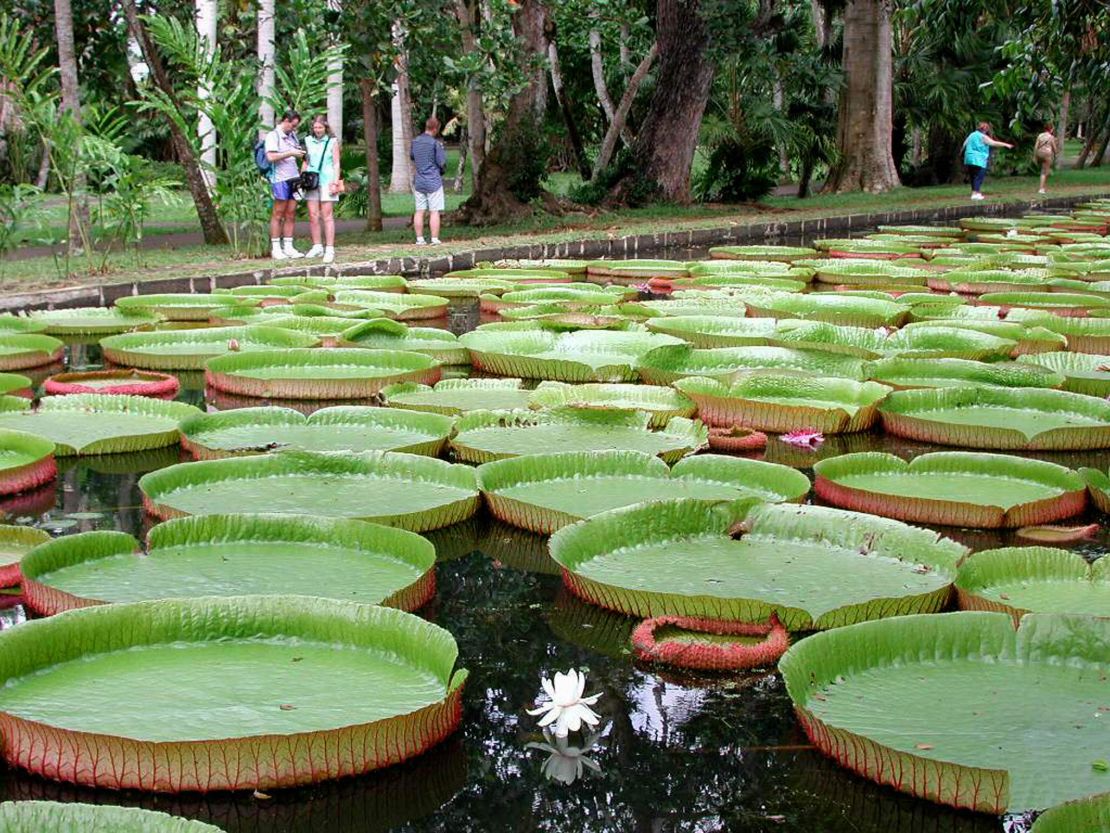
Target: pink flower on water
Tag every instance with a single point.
(804, 438)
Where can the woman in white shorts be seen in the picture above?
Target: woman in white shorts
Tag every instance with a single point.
(322, 156)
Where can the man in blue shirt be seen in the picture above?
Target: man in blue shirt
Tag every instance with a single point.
(977, 153)
(429, 161)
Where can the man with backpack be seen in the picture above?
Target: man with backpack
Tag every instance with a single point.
(283, 153)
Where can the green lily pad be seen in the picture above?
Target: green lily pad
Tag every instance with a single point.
(689, 303)
(405, 490)
(190, 349)
(90, 320)
(341, 428)
(999, 418)
(13, 324)
(90, 423)
(1087, 373)
(787, 402)
(482, 436)
(457, 396)
(464, 287)
(950, 373)
(850, 310)
(783, 254)
(19, 351)
(922, 342)
(952, 488)
(960, 708)
(385, 334)
(1085, 815)
(265, 678)
(813, 567)
(403, 307)
(73, 817)
(632, 271)
(183, 306)
(1029, 339)
(352, 373)
(16, 542)
(233, 555)
(570, 297)
(14, 382)
(864, 272)
(971, 281)
(666, 365)
(1020, 580)
(714, 330)
(544, 492)
(660, 403)
(1060, 303)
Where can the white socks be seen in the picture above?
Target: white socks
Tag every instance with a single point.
(315, 251)
(435, 241)
(287, 247)
(275, 249)
(329, 254)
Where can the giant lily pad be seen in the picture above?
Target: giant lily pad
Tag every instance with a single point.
(960, 708)
(787, 402)
(405, 490)
(1087, 373)
(190, 349)
(922, 342)
(999, 418)
(544, 492)
(659, 402)
(233, 555)
(1060, 303)
(588, 356)
(265, 678)
(16, 542)
(464, 287)
(11, 324)
(1029, 339)
(1020, 580)
(864, 272)
(1084, 335)
(691, 303)
(715, 330)
(782, 254)
(850, 310)
(351, 373)
(384, 334)
(181, 307)
(727, 280)
(634, 271)
(949, 373)
(571, 297)
(456, 396)
(59, 817)
(668, 364)
(393, 305)
(16, 384)
(19, 351)
(341, 428)
(90, 320)
(26, 461)
(813, 567)
(482, 436)
(90, 423)
(1085, 815)
(954, 488)
(981, 281)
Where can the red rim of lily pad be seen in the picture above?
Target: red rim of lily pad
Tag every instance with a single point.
(736, 438)
(706, 655)
(21, 540)
(130, 382)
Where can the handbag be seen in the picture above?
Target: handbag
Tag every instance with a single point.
(310, 180)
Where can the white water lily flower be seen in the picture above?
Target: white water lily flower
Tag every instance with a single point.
(567, 709)
(566, 763)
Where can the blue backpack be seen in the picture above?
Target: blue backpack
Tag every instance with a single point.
(260, 159)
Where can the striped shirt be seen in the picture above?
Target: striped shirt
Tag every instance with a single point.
(429, 163)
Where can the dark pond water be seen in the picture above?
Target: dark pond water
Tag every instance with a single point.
(674, 754)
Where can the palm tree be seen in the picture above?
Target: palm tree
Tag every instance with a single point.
(266, 63)
(71, 102)
(401, 111)
(207, 20)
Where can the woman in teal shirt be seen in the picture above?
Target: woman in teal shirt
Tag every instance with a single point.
(977, 152)
(322, 157)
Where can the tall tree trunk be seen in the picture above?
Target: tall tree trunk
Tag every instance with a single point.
(1093, 134)
(663, 152)
(42, 179)
(207, 21)
(597, 70)
(400, 178)
(620, 118)
(335, 78)
(71, 102)
(625, 51)
(266, 62)
(493, 200)
(822, 23)
(465, 13)
(373, 173)
(1062, 128)
(213, 230)
(865, 122)
(568, 117)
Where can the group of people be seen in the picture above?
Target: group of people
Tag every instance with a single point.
(312, 172)
(977, 151)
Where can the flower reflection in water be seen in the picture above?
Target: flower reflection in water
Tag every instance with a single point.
(565, 763)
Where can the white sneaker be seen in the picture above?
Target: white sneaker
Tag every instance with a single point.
(329, 255)
(277, 254)
(315, 251)
(291, 251)
(420, 241)
(977, 197)
(1042, 191)
(435, 241)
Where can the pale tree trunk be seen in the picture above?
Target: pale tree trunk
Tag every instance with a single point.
(43, 177)
(568, 117)
(475, 111)
(373, 174)
(335, 81)
(778, 98)
(620, 118)
(597, 70)
(266, 59)
(822, 23)
(1062, 128)
(207, 20)
(400, 179)
(213, 230)
(625, 51)
(663, 152)
(71, 102)
(865, 122)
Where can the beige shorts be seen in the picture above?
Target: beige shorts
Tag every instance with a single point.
(429, 202)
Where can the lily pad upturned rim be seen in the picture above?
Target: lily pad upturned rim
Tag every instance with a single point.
(157, 487)
(90, 320)
(141, 350)
(910, 374)
(633, 527)
(130, 382)
(248, 762)
(1082, 372)
(22, 351)
(666, 365)
(24, 538)
(437, 427)
(18, 816)
(1084, 815)
(1070, 496)
(58, 553)
(905, 413)
(106, 404)
(400, 395)
(496, 476)
(825, 659)
(648, 644)
(661, 403)
(231, 372)
(1028, 565)
(182, 306)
